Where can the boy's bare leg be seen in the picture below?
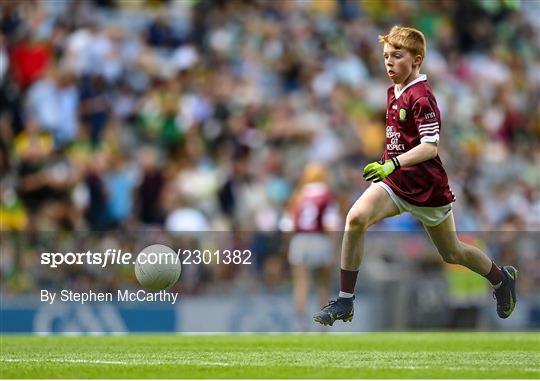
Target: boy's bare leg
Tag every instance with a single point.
(373, 206)
(454, 251)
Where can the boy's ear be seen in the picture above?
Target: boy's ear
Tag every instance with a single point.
(417, 60)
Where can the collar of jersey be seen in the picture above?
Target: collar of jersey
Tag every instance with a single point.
(397, 93)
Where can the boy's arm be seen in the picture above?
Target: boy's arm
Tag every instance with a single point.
(378, 170)
(422, 152)
(427, 123)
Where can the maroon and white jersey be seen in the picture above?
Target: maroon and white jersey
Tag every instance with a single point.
(315, 210)
(413, 117)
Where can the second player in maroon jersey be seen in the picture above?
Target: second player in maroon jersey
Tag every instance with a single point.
(315, 214)
(314, 209)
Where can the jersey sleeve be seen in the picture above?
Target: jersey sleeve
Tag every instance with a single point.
(426, 119)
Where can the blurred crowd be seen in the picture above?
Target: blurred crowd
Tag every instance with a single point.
(125, 116)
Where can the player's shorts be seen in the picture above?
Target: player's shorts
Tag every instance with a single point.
(311, 249)
(427, 215)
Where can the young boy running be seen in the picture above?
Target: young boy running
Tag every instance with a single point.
(411, 179)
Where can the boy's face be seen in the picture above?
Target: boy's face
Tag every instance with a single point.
(399, 63)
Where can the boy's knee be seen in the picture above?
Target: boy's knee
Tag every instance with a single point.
(357, 220)
(451, 258)
(454, 255)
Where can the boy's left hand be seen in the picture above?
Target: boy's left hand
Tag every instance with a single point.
(378, 170)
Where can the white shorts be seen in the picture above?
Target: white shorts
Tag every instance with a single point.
(311, 249)
(427, 215)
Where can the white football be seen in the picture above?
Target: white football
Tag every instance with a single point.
(157, 267)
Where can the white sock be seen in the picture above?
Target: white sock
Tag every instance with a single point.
(345, 295)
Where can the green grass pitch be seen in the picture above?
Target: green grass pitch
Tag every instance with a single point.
(373, 355)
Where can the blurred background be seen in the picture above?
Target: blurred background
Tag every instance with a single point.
(122, 122)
